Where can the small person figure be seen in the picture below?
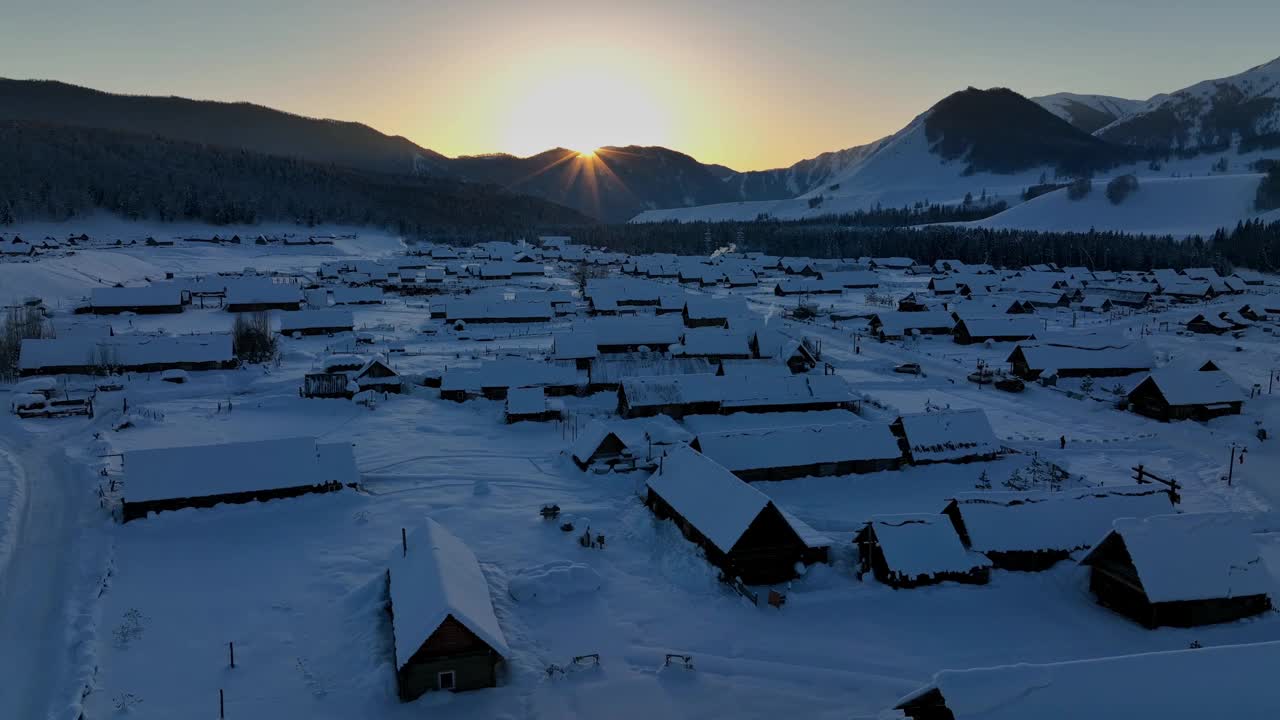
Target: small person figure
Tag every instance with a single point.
(600, 540)
(1062, 442)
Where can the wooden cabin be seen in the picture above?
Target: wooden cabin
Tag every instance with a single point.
(445, 633)
(1208, 324)
(1102, 358)
(1180, 570)
(378, 376)
(907, 551)
(1034, 530)
(1170, 394)
(203, 476)
(739, 528)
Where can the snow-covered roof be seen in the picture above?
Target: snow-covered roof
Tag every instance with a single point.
(895, 323)
(1193, 556)
(703, 307)
(646, 330)
(714, 342)
(126, 351)
(613, 368)
(126, 297)
(1132, 356)
(509, 372)
(483, 308)
(202, 470)
(1197, 683)
(781, 447)
(636, 434)
(1066, 520)
(923, 544)
(526, 401)
(710, 497)
(949, 435)
(315, 319)
(438, 576)
(574, 346)
(1191, 387)
(345, 295)
(736, 391)
(1019, 326)
(255, 291)
(852, 278)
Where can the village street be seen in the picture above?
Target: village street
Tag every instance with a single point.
(39, 587)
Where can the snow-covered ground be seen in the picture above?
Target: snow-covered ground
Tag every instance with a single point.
(134, 620)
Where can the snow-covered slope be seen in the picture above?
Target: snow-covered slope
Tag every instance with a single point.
(1161, 206)
(1209, 115)
(1088, 112)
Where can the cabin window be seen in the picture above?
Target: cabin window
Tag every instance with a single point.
(445, 680)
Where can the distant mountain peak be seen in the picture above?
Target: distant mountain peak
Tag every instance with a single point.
(1209, 116)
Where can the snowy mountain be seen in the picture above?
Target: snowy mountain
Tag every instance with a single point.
(1242, 110)
(993, 142)
(1087, 112)
(233, 125)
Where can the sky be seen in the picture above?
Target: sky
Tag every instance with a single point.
(752, 84)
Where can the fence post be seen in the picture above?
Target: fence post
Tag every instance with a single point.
(232, 647)
(221, 705)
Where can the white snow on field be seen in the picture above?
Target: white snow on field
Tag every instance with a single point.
(1160, 206)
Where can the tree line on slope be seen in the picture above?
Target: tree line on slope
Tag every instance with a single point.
(1250, 244)
(60, 173)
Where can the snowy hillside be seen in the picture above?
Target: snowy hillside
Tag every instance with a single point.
(899, 170)
(1213, 114)
(1160, 206)
(1088, 112)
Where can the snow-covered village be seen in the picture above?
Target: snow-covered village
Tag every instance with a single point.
(333, 477)
(639, 360)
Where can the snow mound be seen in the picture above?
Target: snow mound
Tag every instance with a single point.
(554, 582)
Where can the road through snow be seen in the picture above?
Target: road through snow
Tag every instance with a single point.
(38, 591)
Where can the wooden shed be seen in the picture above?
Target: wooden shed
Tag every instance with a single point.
(446, 635)
(1180, 570)
(906, 551)
(738, 527)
